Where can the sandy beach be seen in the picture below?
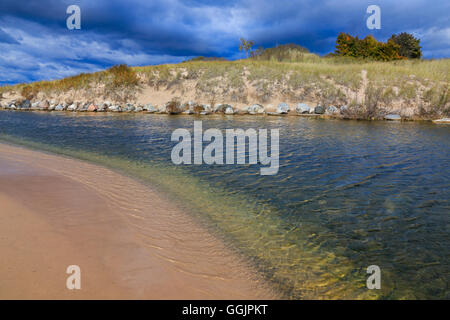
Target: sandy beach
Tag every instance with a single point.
(129, 240)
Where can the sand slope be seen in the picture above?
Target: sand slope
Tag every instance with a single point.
(128, 240)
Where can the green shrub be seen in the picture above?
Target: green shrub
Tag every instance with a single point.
(285, 52)
(27, 92)
(409, 46)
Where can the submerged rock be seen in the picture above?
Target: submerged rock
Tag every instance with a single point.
(319, 109)
(302, 108)
(393, 117)
(283, 108)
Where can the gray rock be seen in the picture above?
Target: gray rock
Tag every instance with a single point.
(332, 110)
(393, 117)
(221, 108)
(256, 109)
(163, 108)
(128, 108)
(138, 109)
(319, 109)
(302, 108)
(150, 108)
(114, 108)
(35, 105)
(229, 110)
(102, 107)
(283, 108)
(12, 106)
(25, 105)
(343, 109)
(84, 107)
(72, 107)
(60, 107)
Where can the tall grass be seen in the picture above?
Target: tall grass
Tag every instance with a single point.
(287, 69)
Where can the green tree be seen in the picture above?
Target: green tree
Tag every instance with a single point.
(246, 46)
(409, 46)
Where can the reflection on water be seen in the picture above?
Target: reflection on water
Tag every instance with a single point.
(347, 195)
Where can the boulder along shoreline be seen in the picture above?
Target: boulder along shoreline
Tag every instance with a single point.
(192, 108)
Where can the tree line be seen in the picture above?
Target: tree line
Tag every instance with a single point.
(398, 47)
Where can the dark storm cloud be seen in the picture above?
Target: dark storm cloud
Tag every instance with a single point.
(35, 43)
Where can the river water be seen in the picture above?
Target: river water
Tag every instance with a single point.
(348, 194)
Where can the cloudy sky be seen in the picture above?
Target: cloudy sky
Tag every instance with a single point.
(35, 43)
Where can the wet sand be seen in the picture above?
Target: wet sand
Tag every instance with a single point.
(128, 239)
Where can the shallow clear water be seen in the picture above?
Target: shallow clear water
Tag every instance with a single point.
(348, 194)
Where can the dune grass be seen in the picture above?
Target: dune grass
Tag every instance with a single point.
(290, 72)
